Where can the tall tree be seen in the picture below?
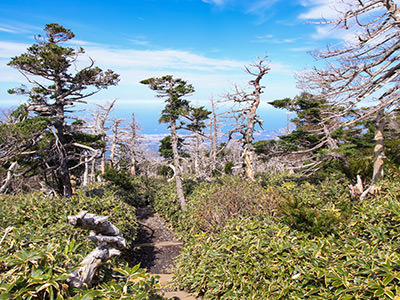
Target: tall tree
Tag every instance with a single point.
(176, 108)
(364, 70)
(58, 89)
(245, 113)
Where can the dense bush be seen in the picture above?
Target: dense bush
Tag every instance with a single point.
(164, 200)
(354, 256)
(212, 204)
(134, 190)
(40, 249)
(318, 209)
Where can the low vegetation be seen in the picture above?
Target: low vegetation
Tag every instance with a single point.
(287, 241)
(40, 249)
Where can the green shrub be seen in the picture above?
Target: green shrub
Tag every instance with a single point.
(315, 208)
(212, 204)
(41, 249)
(164, 200)
(131, 189)
(260, 258)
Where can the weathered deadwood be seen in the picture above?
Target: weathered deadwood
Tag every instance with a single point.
(110, 242)
(98, 224)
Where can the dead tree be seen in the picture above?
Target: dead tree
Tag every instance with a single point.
(245, 112)
(101, 116)
(364, 70)
(133, 126)
(110, 242)
(115, 141)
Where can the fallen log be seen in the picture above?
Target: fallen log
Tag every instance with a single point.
(110, 242)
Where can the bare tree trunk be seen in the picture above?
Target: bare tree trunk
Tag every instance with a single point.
(102, 119)
(214, 130)
(10, 175)
(133, 146)
(62, 172)
(197, 155)
(248, 160)
(93, 172)
(85, 180)
(114, 143)
(379, 154)
(178, 173)
(379, 147)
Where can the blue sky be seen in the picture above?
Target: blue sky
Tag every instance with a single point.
(206, 42)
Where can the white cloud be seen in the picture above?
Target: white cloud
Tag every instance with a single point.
(208, 75)
(7, 30)
(260, 6)
(11, 26)
(216, 2)
(263, 37)
(328, 9)
(9, 49)
(160, 60)
(323, 32)
(139, 42)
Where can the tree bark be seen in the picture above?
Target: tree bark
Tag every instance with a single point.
(178, 173)
(379, 154)
(214, 132)
(62, 172)
(248, 160)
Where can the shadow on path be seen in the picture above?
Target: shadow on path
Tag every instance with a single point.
(155, 246)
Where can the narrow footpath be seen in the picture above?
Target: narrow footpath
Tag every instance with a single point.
(157, 248)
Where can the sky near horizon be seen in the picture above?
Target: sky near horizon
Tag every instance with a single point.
(206, 42)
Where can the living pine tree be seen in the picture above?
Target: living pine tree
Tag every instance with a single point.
(56, 88)
(177, 112)
(308, 131)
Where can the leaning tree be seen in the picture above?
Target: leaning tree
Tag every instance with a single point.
(363, 72)
(177, 113)
(55, 87)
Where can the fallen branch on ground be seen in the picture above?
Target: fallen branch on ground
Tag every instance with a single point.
(110, 242)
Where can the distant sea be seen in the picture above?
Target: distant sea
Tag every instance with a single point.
(147, 115)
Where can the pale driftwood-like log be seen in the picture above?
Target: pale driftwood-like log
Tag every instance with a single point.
(110, 242)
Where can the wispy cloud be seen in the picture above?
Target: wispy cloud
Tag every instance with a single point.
(7, 30)
(139, 42)
(216, 2)
(134, 65)
(160, 59)
(324, 32)
(269, 38)
(208, 75)
(16, 27)
(9, 49)
(260, 8)
(302, 49)
(328, 10)
(318, 9)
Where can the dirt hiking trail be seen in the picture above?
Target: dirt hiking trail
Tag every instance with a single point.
(157, 248)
